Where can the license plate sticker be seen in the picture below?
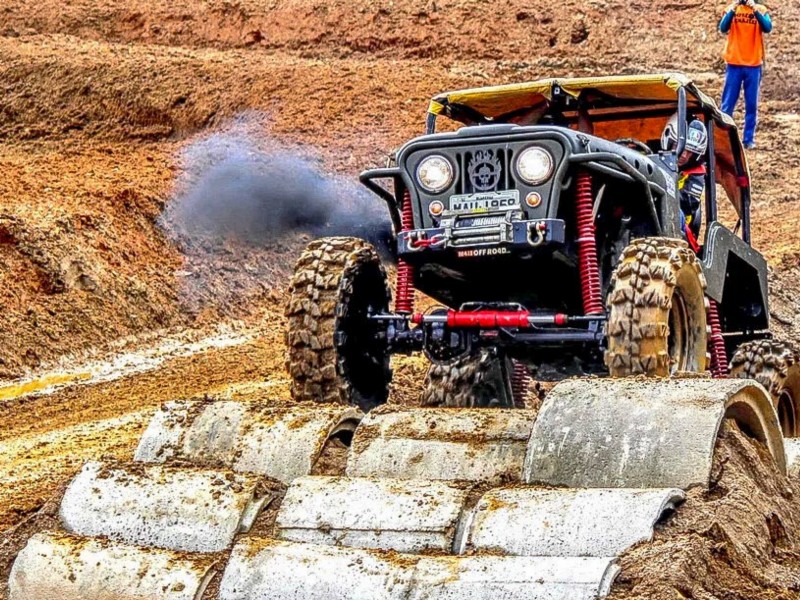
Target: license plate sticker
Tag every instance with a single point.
(469, 204)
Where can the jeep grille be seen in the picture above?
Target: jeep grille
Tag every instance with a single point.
(485, 169)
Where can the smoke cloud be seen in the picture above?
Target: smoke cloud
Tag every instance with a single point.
(233, 189)
(243, 208)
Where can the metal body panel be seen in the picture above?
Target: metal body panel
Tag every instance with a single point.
(563, 143)
(720, 244)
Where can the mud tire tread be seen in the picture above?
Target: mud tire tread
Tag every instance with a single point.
(766, 361)
(639, 304)
(775, 364)
(476, 381)
(319, 291)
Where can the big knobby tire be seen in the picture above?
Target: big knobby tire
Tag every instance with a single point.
(482, 380)
(776, 366)
(656, 311)
(334, 351)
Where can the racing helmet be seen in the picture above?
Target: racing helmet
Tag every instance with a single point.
(696, 136)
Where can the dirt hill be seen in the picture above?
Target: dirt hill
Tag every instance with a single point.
(110, 109)
(100, 99)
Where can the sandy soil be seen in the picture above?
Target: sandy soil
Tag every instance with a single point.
(101, 97)
(734, 541)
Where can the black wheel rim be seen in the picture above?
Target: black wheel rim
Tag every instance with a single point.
(362, 350)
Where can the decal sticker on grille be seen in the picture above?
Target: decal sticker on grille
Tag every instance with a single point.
(484, 171)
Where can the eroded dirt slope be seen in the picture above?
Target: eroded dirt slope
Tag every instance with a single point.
(736, 541)
(101, 97)
(619, 35)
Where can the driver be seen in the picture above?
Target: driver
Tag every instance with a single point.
(692, 170)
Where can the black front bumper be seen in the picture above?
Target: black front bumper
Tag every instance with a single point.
(505, 237)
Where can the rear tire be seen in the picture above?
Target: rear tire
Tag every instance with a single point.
(481, 380)
(776, 366)
(656, 311)
(334, 351)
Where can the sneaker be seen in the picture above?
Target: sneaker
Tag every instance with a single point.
(750, 146)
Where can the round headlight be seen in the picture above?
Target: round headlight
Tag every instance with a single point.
(534, 165)
(435, 173)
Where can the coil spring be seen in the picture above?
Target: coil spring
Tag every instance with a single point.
(587, 246)
(520, 380)
(405, 272)
(719, 357)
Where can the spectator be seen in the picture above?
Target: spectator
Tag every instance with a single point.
(745, 24)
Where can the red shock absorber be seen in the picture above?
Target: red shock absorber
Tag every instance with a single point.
(520, 380)
(719, 358)
(405, 272)
(587, 246)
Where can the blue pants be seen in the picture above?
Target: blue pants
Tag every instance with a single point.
(750, 78)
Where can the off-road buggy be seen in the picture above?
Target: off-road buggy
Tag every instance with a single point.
(549, 227)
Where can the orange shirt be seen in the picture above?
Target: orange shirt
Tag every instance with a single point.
(745, 45)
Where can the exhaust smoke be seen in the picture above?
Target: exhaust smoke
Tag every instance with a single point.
(234, 190)
(244, 207)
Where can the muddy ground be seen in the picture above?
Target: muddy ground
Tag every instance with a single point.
(100, 101)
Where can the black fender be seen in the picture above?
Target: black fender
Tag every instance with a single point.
(736, 275)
